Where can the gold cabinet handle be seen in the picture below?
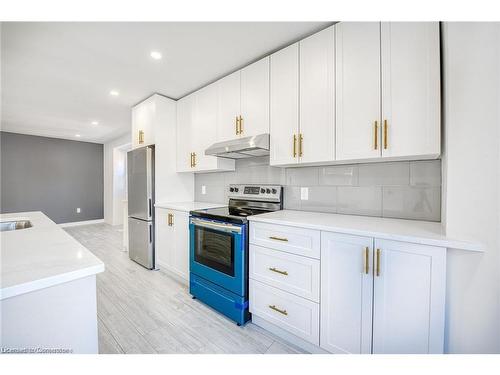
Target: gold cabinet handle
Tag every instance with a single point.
(278, 271)
(367, 260)
(171, 220)
(278, 238)
(375, 135)
(241, 125)
(386, 143)
(273, 307)
(301, 138)
(194, 159)
(377, 269)
(237, 123)
(294, 146)
(141, 136)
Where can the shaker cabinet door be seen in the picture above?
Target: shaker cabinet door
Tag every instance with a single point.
(411, 113)
(357, 82)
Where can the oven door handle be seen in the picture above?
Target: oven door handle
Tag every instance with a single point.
(218, 226)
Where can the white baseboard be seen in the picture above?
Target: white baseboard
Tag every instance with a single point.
(85, 222)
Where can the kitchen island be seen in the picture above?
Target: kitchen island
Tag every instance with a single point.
(47, 289)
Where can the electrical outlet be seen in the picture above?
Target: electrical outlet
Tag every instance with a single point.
(203, 189)
(78, 210)
(304, 193)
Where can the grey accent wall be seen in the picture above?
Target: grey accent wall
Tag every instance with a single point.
(407, 190)
(51, 175)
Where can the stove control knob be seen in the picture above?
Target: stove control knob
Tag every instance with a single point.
(268, 191)
(262, 191)
(231, 189)
(236, 190)
(274, 191)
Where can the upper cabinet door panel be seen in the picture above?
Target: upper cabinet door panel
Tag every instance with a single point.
(255, 98)
(284, 115)
(317, 97)
(411, 88)
(143, 120)
(357, 89)
(228, 106)
(185, 131)
(205, 125)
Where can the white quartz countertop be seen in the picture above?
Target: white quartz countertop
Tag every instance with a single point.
(188, 206)
(420, 232)
(41, 256)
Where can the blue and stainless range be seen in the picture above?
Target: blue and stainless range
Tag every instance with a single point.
(218, 244)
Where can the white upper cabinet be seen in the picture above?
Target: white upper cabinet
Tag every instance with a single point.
(409, 294)
(284, 104)
(410, 89)
(317, 98)
(346, 293)
(357, 90)
(143, 122)
(185, 131)
(196, 131)
(205, 125)
(255, 99)
(228, 106)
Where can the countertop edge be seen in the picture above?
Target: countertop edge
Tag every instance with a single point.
(178, 206)
(32, 286)
(446, 243)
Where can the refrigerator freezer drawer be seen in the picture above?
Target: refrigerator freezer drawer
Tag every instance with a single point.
(141, 242)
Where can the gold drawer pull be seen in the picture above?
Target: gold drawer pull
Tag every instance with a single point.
(141, 136)
(278, 271)
(278, 238)
(241, 125)
(386, 143)
(237, 123)
(273, 307)
(294, 146)
(377, 270)
(301, 139)
(367, 260)
(194, 159)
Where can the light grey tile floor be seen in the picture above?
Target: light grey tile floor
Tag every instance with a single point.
(142, 311)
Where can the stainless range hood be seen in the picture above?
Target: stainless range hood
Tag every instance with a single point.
(241, 148)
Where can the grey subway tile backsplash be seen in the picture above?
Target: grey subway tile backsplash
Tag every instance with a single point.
(383, 174)
(409, 190)
(359, 200)
(409, 202)
(425, 173)
(339, 175)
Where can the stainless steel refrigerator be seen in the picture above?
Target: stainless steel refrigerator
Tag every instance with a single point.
(141, 199)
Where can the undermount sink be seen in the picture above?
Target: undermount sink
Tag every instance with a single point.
(14, 225)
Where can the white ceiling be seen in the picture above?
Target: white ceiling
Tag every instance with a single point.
(56, 77)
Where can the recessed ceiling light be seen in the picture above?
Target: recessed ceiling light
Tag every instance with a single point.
(114, 93)
(77, 135)
(95, 123)
(155, 55)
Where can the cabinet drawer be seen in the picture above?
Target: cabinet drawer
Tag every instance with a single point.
(291, 273)
(305, 242)
(294, 314)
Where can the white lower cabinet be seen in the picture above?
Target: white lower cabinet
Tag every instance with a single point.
(358, 295)
(346, 293)
(406, 283)
(172, 242)
(409, 298)
(296, 315)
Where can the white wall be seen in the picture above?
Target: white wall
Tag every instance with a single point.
(471, 166)
(109, 206)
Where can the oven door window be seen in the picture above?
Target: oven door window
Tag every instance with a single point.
(214, 249)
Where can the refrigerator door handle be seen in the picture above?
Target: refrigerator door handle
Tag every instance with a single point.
(150, 207)
(150, 233)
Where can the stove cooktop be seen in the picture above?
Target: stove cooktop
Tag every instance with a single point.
(244, 201)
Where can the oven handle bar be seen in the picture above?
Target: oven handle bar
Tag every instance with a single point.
(218, 226)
